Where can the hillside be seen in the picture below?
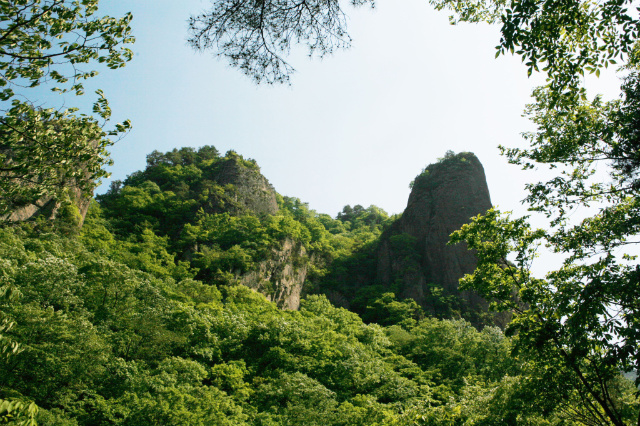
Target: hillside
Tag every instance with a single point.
(223, 218)
(166, 308)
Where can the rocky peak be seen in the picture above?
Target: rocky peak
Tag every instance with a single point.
(414, 258)
(281, 275)
(253, 190)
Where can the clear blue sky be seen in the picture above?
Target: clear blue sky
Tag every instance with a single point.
(353, 128)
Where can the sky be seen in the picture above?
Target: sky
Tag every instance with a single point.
(355, 127)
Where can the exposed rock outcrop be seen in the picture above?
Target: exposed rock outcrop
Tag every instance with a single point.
(253, 190)
(49, 165)
(413, 256)
(49, 207)
(281, 277)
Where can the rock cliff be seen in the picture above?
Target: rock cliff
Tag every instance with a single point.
(413, 256)
(72, 200)
(281, 277)
(252, 190)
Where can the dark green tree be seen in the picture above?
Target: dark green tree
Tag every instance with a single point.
(13, 410)
(257, 37)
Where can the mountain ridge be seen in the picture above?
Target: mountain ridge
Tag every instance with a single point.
(225, 223)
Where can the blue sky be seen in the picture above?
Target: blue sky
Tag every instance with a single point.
(353, 128)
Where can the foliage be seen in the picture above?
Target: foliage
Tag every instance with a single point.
(388, 311)
(17, 412)
(107, 343)
(44, 150)
(357, 216)
(453, 351)
(351, 271)
(560, 39)
(256, 37)
(576, 322)
(450, 161)
(578, 318)
(12, 410)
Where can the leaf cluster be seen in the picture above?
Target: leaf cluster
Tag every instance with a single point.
(257, 36)
(44, 150)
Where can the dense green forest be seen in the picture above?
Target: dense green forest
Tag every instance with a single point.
(123, 321)
(160, 302)
(103, 342)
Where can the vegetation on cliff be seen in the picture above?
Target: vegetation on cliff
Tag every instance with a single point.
(138, 318)
(220, 218)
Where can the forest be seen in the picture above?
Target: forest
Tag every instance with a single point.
(124, 321)
(170, 298)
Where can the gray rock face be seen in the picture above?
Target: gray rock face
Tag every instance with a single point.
(49, 206)
(253, 190)
(281, 277)
(413, 255)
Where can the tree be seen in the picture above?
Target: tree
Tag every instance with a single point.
(561, 39)
(256, 36)
(48, 42)
(584, 314)
(576, 322)
(12, 410)
(582, 319)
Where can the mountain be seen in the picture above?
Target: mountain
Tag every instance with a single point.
(219, 220)
(411, 259)
(187, 298)
(413, 256)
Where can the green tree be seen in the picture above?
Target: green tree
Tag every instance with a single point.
(580, 318)
(49, 42)
(387, 310)
(580, 321)
(12, 410)
(562, 39)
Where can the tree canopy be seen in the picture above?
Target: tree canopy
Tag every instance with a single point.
(55, 44)
(103, 341)
(257, 37)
